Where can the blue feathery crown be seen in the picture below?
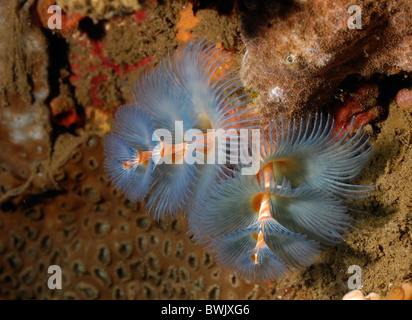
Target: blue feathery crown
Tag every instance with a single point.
(261, 225)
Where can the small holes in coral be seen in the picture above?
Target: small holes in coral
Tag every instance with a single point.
(192, 240)
(55, 259)
(101, 228)
(149, 292)
(290, 58)
(60, 176)
(166, 290)
(41, 267)
(34, 214)
(179, 250)
(193, 261)
(100, 209)
(185, 294)
(216, 273)
(9, 280)
(92, 163)
(140, 268)
(118, 293)
(153, 263)
(253, 294)
(87, 290)
(104, 255)
(65, 279)
(16, 241)
(66, 217)
(46, 244)
(76, 156)
(184, 274)
(103, 180)
(142, 243)
(176, 226)
(124, 249)
(154, 277)
(199, 283)
(213, 292)
(162, 224)
(69, 232)
(4, 169)
(76, 244)
(14, 261)
(78, 175)
(40, 291)
(122, 272)
(24, 173)
(102, 276)
(132, 291)
(207, 260)
(154, 240)
(31, 253)
(233, 280)
(143, 223)
(123, 213)
(172, 274)
(4, 189)
(134, 206)
(167, 247)
(25, 295)
(91, 142)
(66, 206)
(70, 295)
(28, 276)
(78, 268)
(116, 192)
(91, 194)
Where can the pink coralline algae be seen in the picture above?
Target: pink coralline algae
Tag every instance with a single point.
(404, 99)
(298, 54)
(100, 62)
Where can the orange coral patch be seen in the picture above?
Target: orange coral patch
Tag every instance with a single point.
(187, 21)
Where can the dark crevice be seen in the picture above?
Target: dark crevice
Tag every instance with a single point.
(390, 86)
(8, 206)
(30, 201)
(95, 31)
(58, 53)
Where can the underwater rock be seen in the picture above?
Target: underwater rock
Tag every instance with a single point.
(24, 116)
(298, 52)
